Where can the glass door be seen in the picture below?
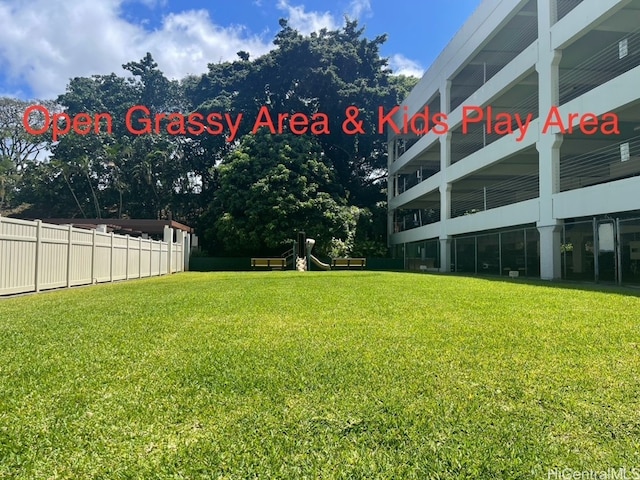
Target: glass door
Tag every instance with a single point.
(605, 255)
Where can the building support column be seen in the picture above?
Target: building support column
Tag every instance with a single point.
(548, 145)
(550, 253)
(445, 187)
(550, 228)
(446, 254)
(445, 239)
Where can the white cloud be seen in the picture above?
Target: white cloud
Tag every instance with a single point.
(150, 3)
(401, 65)
(359, 9)
(44, 43)
(189, 40)
(155, 3)
(307, 22)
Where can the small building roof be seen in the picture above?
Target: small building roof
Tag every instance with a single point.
(125, 226)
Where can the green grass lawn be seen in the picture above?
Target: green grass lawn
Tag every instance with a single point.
(318, 375)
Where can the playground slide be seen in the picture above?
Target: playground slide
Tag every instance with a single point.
(322, 265)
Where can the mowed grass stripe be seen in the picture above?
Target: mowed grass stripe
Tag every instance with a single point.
(318, 375)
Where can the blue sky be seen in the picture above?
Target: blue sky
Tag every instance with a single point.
(44, 43)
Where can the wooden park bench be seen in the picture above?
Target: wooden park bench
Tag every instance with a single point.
(276, 263)
(348, 263)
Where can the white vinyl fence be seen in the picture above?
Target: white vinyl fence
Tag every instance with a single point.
(38, 256)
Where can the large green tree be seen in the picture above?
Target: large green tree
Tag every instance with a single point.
(119, 174)
(229, 187)
(325, 72)
(272, 186)
(17, 149)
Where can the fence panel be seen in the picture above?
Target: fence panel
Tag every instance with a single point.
(180, 258)
(80, 270)
(102, 257)
(37, 256)
(156, 259)
(18, 243)
(52, 261)
(146, 254)
(119, 258)
(176, 258)
(133, 258)
(164, 258)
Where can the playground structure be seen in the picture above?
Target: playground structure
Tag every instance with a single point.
(300, 258)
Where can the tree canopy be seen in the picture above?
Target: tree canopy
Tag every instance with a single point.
(246, 196)
(272, 186)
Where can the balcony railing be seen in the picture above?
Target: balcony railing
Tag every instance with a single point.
(613, 162)
(464, 145)
(411, 219)
(608, 63)
(513, 190)
(407, 181)
(565, 6)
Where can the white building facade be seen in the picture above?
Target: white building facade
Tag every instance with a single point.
(521, 152)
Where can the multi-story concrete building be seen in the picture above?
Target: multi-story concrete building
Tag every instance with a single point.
(521, 151)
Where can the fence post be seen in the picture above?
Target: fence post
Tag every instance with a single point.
(168, 237)
(93, 256)
(139, 257)
(38, 254)
(126, 268)
(186, 253)
(185, 243)
(150, 257)
(179, 241)
(111, 262)
(69, 241)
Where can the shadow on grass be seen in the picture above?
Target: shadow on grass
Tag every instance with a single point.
(627, 289)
